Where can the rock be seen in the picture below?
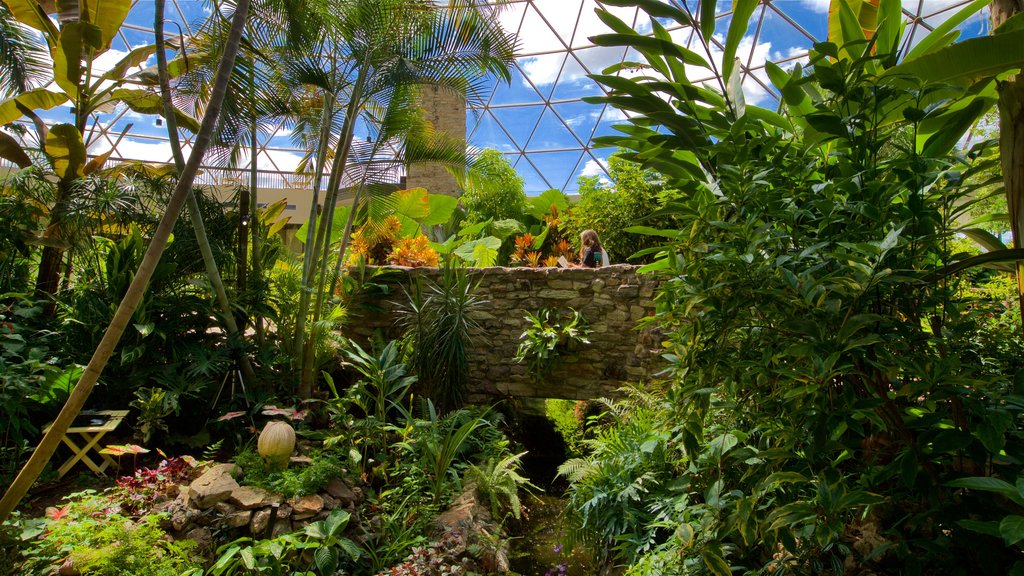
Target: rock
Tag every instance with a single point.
(251, 497)
(284, 511)
(329, 502)
(345, 495)
(280, 527)
(238, 519)
(203, 538)
(258, 525)
(307, 506)
(214, 486)
(178, 515)
(300, 460)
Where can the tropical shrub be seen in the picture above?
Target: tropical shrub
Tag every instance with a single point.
(494, 190)
(820, 416)
(291, 482)
(439, 325)
(89, 534)
(632, 197)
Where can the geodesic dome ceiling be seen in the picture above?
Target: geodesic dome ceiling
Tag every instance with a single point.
(538, 120)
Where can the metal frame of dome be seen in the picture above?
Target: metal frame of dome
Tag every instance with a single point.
(538, 121)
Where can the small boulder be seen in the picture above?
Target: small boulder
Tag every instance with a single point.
(251, 497)
(214, 486)
(345, 495)
(238, 519)
(260, 519)
(307, 506)
(203, 538)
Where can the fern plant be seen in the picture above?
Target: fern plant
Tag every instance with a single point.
(498, 481)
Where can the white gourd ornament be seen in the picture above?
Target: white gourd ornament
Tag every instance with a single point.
(276, 443)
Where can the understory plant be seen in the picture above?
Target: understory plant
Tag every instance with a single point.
(819, 415)
(551, 332)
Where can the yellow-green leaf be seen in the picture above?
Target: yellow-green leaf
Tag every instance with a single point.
(134, 58)
(29, 13)
(145, 102)
(66, 150)
(97, 162)
(74, 39)
(715, 563)
(38, 99)
(108, 16)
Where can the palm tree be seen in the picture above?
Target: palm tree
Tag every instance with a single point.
(381, 52)
(126, 309)
(21, 57)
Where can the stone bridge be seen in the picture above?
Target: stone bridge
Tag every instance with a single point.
(613, 299)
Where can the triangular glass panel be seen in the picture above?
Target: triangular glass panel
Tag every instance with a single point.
(536, 36)
(534, 183)
(552, 134)
(594, 163)
(518, 91)
(518, 121)
(590, 24)
(488, 134)
(580, 117)
(558, 167)
(543, 70)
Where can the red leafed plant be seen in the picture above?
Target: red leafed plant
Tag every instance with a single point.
(141, 490)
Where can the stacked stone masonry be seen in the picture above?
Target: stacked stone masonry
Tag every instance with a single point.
(446, 111)
(613, 299)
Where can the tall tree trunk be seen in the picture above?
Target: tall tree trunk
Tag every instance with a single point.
(212, 271)
(1011, 144)
(30, 472)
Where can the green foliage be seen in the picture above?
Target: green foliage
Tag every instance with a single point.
(820, 381)
(89, 531)
(550, 334)
(319, 549)
(438, 323)
(154, 405)
(33, 384)
(494, 190)
(564, 414)
(498, 482)
(632, 197)
(439, 442)
(292, 482)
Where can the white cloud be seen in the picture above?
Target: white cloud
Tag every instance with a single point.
(595, 168)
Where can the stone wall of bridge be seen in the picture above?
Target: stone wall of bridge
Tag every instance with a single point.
(613, 299)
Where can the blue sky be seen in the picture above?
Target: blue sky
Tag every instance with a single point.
(537, 119)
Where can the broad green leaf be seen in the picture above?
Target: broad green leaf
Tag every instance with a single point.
(468, 251)
(741, 13)
(484, 256)
(984, 238)
(504, 228)
(734, 88)
(967, 62)
(412, 203)
(108, 16)
(890, 28)
(934, 38)
(66, 150)
(707, 18)
(337, 226)
(442, 206)
(145, 102)
(11, 150)
(950, 128)
(38, 99)
(75, 41)
(1012, 529)
(989, 484)
(1012, 24)
(715, 563)
(990, 528)
(988, 258)
(851, 21)
(540, 206)
(474, 229)
(649, 231)
(657, 9)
